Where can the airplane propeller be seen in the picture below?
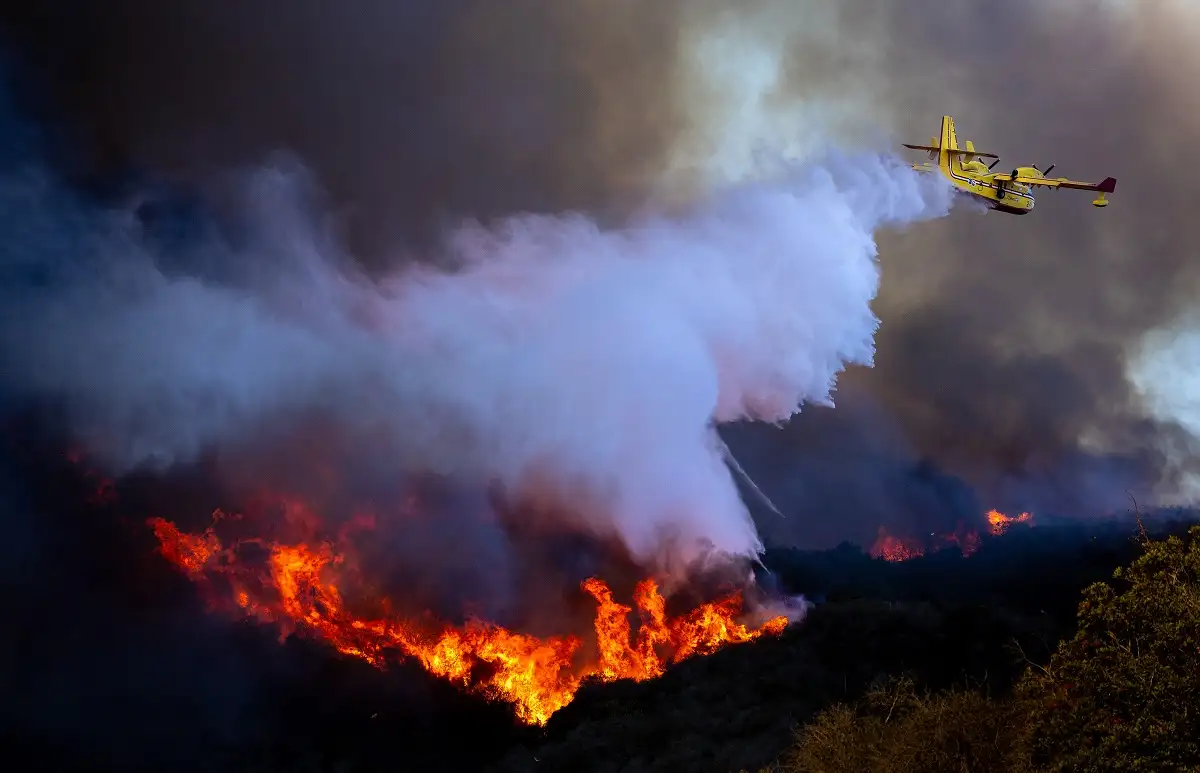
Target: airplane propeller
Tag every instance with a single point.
(992, 165)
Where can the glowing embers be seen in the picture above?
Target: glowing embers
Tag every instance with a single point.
(998, 522)
(297, 587)
(892, 548)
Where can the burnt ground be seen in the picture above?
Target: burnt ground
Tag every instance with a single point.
(112, 663)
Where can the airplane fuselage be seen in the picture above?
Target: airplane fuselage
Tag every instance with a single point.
(971, 177)
(1013, 199)
(1003, 191)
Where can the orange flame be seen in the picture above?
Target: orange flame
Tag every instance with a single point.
(298, 590)
(891, 548)
(998, 522)
(968, 541)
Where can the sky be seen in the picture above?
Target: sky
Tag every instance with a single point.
(1042, 362)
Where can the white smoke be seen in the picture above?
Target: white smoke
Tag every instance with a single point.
(587, 363)
(737, 85)
(1164, 370)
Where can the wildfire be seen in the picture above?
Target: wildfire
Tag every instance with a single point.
(998, 522)
(297, 588)
(892, 548)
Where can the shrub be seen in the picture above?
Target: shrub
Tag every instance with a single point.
(895, 729)
(1124, 693)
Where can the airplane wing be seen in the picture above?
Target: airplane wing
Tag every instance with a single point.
(952, 151)
(1107, 185)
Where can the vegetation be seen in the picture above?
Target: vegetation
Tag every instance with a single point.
(942, 663)
(894, 729)
(1122, 694)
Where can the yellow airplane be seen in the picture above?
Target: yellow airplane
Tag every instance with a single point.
(1011, 193)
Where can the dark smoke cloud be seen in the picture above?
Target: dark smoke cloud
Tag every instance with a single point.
(1005, 342)
(1003, 352)
(409, 112)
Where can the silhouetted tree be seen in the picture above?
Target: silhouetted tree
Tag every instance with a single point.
(1124, 692)
(896, 729)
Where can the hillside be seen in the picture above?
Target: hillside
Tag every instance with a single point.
(157, 683)
(944, 621)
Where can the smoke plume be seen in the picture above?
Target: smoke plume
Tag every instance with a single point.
(571, 363)
(1007, 363)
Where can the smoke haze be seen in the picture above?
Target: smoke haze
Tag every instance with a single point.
(1009, 348)
(571, 363)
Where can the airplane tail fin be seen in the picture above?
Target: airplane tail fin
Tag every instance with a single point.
(949, 142)
(945, 150)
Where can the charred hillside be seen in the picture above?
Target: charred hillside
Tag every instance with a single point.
(944, 621)
(115, 660)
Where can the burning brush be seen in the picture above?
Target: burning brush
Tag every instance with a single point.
(299, 587)
(892, 548)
